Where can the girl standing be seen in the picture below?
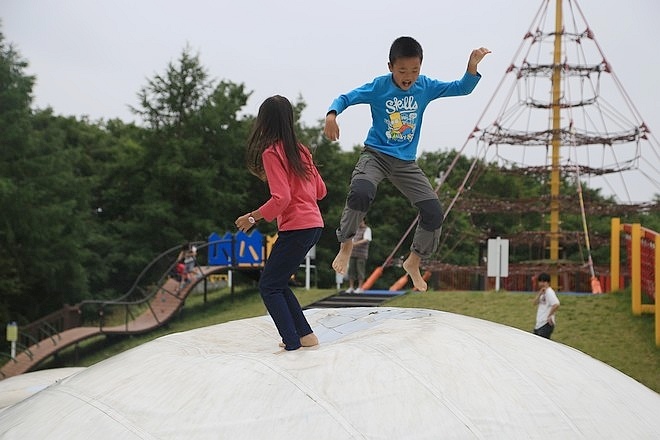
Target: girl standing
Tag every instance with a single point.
(275, 156)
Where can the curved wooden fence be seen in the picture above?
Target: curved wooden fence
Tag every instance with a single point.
(161, 307)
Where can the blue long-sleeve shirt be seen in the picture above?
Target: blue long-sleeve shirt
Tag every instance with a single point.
(397, 114)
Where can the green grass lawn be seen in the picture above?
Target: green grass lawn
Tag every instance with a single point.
(601, 326)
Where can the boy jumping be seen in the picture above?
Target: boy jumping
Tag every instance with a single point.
(397, 102)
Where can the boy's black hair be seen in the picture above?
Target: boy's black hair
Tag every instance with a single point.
(405, 47)
(544, 277)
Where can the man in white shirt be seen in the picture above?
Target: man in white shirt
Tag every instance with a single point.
(547, 304)
(358, 261)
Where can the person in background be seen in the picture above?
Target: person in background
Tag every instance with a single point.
(190, 261)
(187, 256)
(275, 156)
(547, 304)
(181, 273)
(357, 265)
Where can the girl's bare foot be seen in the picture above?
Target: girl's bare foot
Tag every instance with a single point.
(284, 350)
(340, 264)
(309, 340)
(411, 266)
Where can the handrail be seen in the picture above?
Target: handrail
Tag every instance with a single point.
(138, 279)
(25, 350)
(8, 356)
(30, 337)
(58, 322)
(146, 295)
(52, 333)
(2, 373)
(121, 299)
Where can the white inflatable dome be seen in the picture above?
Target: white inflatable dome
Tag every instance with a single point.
(17, 388)
(378, 373)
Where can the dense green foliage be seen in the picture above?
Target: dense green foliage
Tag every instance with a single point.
(86, 205)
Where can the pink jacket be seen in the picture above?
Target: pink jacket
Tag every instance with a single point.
(293, 201)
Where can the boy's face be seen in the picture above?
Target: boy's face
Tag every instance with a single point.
(405, 71)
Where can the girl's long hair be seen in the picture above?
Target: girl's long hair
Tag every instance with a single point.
(274, 124)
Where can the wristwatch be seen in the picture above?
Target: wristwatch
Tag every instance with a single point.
(251, 219)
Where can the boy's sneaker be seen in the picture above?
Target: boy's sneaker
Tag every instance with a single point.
(349, 290)
(358, 290)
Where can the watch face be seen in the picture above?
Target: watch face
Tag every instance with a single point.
(251, 220)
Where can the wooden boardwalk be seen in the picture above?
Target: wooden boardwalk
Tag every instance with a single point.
(166, 302)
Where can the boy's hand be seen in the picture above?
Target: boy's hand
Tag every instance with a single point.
(475, 58)
(331, 128)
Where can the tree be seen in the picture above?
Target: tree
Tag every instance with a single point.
(42, 195)
(15, 98)
(195, 180)
(169, 101)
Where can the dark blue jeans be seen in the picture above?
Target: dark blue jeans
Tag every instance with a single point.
(545, 331)
(285, 257)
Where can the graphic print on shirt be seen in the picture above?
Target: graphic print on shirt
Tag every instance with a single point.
(402, 119)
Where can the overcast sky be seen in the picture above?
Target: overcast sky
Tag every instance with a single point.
(91, 57)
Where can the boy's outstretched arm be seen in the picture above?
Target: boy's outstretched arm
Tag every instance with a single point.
(475, 58)
(331, 128)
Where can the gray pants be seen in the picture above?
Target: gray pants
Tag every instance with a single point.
(372, 167)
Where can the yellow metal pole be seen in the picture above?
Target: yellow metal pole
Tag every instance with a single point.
(656, 280)
(615, 253)
(556, 143)
(636, 268)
